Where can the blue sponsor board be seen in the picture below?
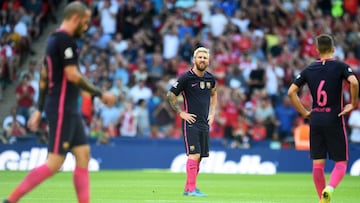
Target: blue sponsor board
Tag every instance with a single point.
(142, 153)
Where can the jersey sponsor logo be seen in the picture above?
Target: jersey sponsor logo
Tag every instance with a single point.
(68, 53)
(193, 85)
(217, 163)
(28, 160)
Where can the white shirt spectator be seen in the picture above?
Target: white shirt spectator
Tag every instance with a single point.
(354, 123)
(204, 8)
(218, 22)
(240, 21)
(9, 119)
(21, 29)
(140, 91)
(108, 15)
(274, 74)
(171, 44)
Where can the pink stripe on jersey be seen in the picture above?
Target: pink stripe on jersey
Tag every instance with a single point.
(50, 73)
(321, 60)
(344, 129)
(61, 114)
(185, 135)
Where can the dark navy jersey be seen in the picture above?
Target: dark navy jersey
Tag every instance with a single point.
(61, 50)
(325, 81)
(196, 92)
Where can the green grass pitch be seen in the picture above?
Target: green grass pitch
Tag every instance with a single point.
(162, 186)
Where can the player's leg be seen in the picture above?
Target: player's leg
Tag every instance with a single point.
(58, 132)
(319, 175)
(191, 139)
(337, 148)
(37, 176)
(81, 151)
(81, 173)
(318, 155)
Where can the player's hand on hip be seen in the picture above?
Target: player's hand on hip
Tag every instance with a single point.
(108, 98)
(346, 110)
(34, 121)
(188, 117)
(307, 114)
(211, 119)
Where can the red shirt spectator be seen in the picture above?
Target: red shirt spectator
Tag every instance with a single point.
(24, 93)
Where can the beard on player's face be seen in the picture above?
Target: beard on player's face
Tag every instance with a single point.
(78, 31)
(201, 66)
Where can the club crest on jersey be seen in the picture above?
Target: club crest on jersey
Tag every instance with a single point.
(192, 148)
(202, 85)
(208, 85)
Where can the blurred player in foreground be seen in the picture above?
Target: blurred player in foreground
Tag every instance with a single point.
(198, 89)
(60, 85)
(327, 126)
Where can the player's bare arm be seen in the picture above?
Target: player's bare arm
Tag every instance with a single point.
(34, 121)
(354, 91)
(188, 117)
(213, 102)
(74, 76)
(295, 100)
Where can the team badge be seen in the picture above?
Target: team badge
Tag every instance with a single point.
(202, 85)
(192, 148)
(68, 53)
(208, 85)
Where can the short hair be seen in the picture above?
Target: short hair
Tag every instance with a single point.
(201, 49)
(324, 43)
(75, 8)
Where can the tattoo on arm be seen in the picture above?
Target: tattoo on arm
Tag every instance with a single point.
(43, 88)
(173, 102)
(86, 85)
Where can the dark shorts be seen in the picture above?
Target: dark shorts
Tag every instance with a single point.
(329, 141)
(196, 141)
(65, 132)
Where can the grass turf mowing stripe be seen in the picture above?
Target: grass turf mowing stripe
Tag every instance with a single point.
(151, 186)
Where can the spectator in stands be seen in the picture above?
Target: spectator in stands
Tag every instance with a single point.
(302, 134)
(14, 126)
(218, 22)
(241, 133)
(143, 119)
(128, 121)
(265, 115)
(140, 91)
(165, 118)
(25, 96)
(286, 116)
(171, 40)
(107, 10)
(118, 44)
(126, 19)
(354, 124)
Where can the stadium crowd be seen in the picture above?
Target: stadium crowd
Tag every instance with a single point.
(136, 49)
(21, 23)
